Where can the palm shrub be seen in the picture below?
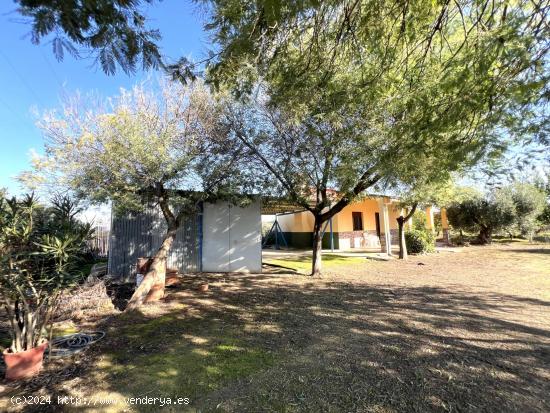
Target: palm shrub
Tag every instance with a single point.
(420, 241)
(39, 260)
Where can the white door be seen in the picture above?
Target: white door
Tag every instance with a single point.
(245, 253)
(215, 238)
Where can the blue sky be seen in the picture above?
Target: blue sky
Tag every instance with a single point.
(30, 76)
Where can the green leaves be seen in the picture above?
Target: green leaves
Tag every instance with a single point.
(40, 257)
(515, 207)
(151, 144)
(113, 32)
(415, 81)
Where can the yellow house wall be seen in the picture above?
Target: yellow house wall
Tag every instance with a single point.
(299, 222)
(342, 222)
(444, 220)
(430, 219)
(368, 207)
(393, 213)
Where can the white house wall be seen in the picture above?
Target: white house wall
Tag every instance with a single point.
(231, 238)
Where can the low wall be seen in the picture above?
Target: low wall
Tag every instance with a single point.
(304, 240)
(342, 240)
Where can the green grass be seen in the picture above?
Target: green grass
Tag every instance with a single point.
(303, 263)
(176, 356)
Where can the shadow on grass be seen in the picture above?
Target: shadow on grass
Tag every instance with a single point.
(545, 251)
(327, 258)
(262, 343)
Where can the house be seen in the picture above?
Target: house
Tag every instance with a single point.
(222, 238)
(368, 223)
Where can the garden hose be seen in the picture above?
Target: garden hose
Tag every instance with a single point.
(73, 343)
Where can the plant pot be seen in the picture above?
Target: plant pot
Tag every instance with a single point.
(171, 279)
(203, 287)
(25, 363)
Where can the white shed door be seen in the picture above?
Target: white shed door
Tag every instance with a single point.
(231, 238)
(245, 237)
(215, 238)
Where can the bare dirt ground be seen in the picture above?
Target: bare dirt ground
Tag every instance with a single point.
(457, 332)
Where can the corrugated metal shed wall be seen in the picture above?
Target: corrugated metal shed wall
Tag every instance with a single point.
(140, 235)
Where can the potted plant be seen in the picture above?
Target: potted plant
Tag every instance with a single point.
(38, 262)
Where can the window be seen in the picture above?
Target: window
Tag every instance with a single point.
(357, 221)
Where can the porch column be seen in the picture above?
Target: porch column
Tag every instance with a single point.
(430, 219)
(445, 226)
(385, 236)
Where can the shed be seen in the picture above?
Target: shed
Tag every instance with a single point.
(222, 238)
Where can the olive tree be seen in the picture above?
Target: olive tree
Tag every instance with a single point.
(544, 187)
(484, 213)
(529, 202)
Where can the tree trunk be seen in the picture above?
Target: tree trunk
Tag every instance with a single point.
(152, 286)
(317, 248)
(401, 225)
(402, 244)
(484, 236)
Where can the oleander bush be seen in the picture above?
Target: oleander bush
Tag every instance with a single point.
(41, 257)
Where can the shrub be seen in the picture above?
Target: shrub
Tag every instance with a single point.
(39, 261)
(542, 237)
(419, 242)
(419, 220)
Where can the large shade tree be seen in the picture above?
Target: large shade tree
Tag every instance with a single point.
(369, 92)
(114, 33)
(166, 148)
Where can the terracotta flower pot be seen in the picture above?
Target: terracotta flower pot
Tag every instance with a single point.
(203, 287)
(25, 363)
(172, 278)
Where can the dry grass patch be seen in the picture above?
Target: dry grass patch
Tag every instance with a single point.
(465, 331)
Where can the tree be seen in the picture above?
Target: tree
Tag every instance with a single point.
(486, 214)
(285, 146)
(323, 163)
(544, 186)
(375, 89)
(358, 46)
(529, 202)
(166, 148)
(114, 32)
